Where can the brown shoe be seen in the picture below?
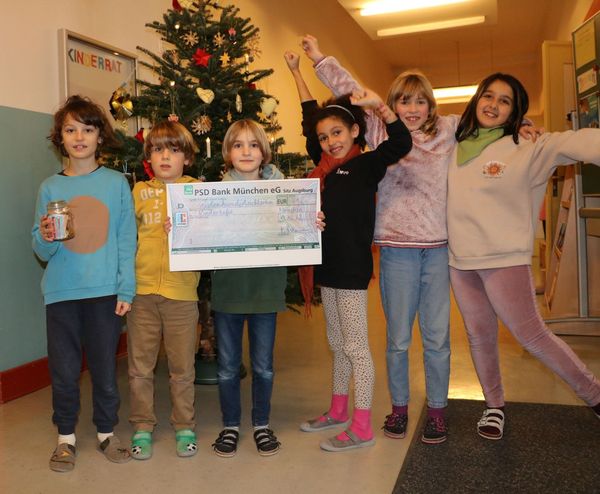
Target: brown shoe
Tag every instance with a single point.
(112, 449)
(63, 458)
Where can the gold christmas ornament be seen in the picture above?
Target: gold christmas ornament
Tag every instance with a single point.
(253, 46)
(190, 39)
(238, 103)
(218, 39)
(121, 106)
(267, 106)
(206, 95)
(202, 125)
(224, 59)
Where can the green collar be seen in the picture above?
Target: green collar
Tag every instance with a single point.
(472, 146)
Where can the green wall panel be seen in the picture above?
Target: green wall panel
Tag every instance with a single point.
(26, 159)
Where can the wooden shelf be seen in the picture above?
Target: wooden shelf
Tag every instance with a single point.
(559, 281)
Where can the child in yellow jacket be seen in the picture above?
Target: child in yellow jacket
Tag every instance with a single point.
(165, 304)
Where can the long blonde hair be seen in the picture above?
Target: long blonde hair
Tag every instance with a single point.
(410, 83)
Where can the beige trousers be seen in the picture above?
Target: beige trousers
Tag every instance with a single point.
(152, 318)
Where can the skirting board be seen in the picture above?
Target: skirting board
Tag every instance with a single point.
(27, 378)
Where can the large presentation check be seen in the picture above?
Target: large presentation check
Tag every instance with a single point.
(223, 225)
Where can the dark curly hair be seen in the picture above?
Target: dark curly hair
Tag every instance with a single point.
(348, 114)
(87, 112)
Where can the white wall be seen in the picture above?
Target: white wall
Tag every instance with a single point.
(564, 17)
(29, 40)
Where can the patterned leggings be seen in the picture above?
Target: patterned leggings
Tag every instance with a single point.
(485, 295)
(347, 333)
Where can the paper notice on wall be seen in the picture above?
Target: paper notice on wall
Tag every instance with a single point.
(586, 80)
(584, 40)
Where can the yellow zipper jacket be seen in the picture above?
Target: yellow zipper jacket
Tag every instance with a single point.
(152, 258)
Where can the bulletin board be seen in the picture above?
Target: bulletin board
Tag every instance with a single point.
(586, 53)
(104, 73)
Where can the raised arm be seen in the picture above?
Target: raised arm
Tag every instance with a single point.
(333, 75)
(399, 142)
(340, 81)
(370, 99)
(309, 106)
(293, 62)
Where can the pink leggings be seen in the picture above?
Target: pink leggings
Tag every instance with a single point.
(485, 295)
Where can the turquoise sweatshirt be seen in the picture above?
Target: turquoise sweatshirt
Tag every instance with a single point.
(100, 259)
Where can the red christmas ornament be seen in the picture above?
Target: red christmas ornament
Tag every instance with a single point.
(201, 57)
(232, 32)
(176, 6)
(148, 169)
(251, 85)
(140, 135)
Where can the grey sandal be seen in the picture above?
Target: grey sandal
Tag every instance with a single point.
(63, 458)
(353, 442)
(322, 423)
(112, 449)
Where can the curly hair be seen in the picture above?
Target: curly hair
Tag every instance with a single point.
(341, 109)
(87, 112)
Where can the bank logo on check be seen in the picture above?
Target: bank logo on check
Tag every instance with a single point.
(188, 190)
(181, 218)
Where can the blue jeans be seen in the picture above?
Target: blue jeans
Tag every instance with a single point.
(414, 280)
(72, 326)
(261, 335)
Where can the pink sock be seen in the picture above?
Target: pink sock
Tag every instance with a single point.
(339, 407)
(361, 424)
(400, 410)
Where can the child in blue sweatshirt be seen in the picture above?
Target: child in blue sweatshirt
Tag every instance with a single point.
(89, 281)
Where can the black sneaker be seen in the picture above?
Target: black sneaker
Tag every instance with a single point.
(266, 442)
(226, 443)
(395, 425)
(435, 431)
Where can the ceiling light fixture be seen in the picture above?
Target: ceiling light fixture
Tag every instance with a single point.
(431, 26)
(390, 6)
(455, 94)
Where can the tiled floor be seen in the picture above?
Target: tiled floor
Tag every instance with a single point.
(303, 367)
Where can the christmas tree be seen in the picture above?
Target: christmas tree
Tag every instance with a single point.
(203, 76)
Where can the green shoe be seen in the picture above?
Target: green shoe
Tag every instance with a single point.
(141, 445)
(186, 442)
